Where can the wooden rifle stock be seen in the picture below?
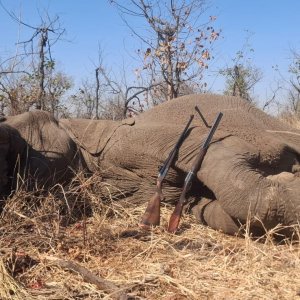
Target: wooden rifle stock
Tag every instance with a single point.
(175, 217)
(151, 216)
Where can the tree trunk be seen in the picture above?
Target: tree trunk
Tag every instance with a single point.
(41, 72)
(170, 82)
(97, 93)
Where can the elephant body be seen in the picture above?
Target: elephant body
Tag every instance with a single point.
(250, 171)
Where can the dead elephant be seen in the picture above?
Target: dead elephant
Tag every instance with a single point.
(251, 169)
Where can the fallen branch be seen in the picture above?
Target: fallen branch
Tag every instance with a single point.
(114, 291)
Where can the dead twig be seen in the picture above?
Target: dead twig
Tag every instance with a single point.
(88, 276)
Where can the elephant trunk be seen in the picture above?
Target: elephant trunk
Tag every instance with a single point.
(244, 191)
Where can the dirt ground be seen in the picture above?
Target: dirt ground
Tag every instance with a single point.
(58, 246)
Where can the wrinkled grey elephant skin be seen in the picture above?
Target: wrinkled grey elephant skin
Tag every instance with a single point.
(250, 171)
(33, 147)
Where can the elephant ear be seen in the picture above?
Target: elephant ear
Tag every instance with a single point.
(93, 135)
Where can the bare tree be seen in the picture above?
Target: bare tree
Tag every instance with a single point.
(272, 99)
(97, 95)
(176, 44)
(97, 91)
(290, 86)
(84, 100)
(19, 93)
(132, 98)
(34, 65)
(294, 83)
(243, 75)
(110, 96)
(119, 93)
(45, 42)
(240, 80)
(56, 86)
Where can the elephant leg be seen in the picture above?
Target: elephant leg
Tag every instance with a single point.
(211, 213)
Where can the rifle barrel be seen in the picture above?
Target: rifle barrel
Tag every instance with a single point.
(212, 130)
(165, 168)
(175, 217)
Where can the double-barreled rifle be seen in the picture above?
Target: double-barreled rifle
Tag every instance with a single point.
(151, 216)
(175, 217)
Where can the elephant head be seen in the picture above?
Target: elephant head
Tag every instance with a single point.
(33, 147)
(251, 169)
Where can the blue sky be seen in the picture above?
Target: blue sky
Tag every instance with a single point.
(274, 24)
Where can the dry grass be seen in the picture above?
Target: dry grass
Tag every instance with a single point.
(197, 263)
(291, 118)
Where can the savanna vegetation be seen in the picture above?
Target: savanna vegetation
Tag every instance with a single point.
(69, 244)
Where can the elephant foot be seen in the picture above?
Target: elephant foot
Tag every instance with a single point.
(210, 212)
